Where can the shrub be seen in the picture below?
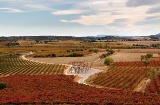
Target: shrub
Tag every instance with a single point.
(53, 55)
(75, 55)
(3, 85)
(152, 73)
(111, 51)
(90, 50)
(68, 51)
(95, 50)
(149, 55)
(146, 62)
(103, 56)
(108, 61)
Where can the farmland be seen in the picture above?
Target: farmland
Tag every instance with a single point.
(13, 65)
(54, 89)
(154, 86)
(120, 77)
(41, 77)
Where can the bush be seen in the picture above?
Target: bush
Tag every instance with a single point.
(90, 50)
(152, 73)
(108, 61)
(149, 55)
(75, 55)
(3, 85)
(53, 55)
(111, 51)
(103, 56)
(68, 51)
(95, 50)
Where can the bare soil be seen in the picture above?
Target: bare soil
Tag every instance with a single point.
(94, 59)
(123, 55)
(77, 78)
(142, 85)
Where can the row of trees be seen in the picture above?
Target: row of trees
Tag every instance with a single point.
(109, 52)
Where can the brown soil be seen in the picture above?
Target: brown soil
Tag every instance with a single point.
(142, 85)
(77, 78)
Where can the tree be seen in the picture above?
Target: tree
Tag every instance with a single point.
(158, 53)
(146, 62)
(142, 57)
(149, 55)
(53, 55)
(152, 73)
(107, 45)
(108, 61)
(3, 85)
(110, 51)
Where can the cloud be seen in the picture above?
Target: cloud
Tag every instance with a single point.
(68, 12)
(99, 19)
(11, 10)
(38, 7)
(65, 21)
(153, 17)
(155, 9)
(104, 18)
(136, 3)
(154, 22)
(119, 23)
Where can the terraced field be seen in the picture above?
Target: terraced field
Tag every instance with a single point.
(12, 65)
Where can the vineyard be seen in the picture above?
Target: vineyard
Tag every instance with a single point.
(121, 77)
(12, 65)
(154, 86)
(153, 63)
(125, 75)
(60, 89)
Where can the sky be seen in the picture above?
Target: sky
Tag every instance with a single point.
(79, 17)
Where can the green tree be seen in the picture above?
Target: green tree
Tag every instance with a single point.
(107, 45)
(3, 85)
(146, 62)
(152, 73)
(149, 55)
(108, 61)
(110, 51)
(142, 57)
(95, 50)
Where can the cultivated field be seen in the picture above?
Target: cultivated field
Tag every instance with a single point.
(120, 78)
(13, 65)
(60, 89)
(42, 76)
(154, 86)
(140, 42)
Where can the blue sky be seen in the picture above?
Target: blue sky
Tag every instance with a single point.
(79, 17)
